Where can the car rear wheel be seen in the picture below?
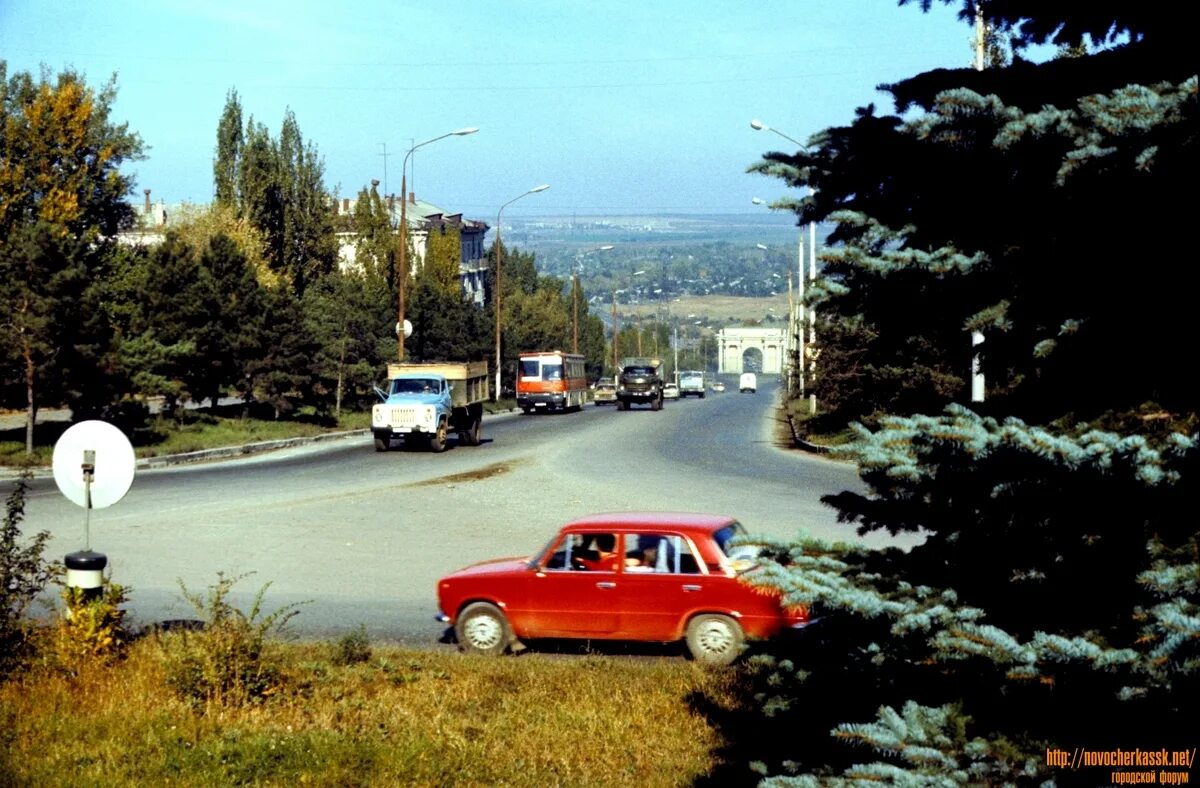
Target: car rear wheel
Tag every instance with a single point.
(714, 639)
(482, 629)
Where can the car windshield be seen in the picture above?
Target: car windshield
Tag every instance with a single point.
(639, 370)
(741, 557)
(604, 386)
(414, 386)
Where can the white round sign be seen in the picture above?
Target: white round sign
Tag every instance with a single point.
(106, 450)
(407, 329)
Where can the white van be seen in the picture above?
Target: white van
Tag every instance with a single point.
(748, 382)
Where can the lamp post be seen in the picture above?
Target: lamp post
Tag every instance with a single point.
(496, 299)
(798, 321)
(575, 294)
(402, 274)
(758, 125)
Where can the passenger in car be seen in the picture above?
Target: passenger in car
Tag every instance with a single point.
(602, 557)
(645, 557)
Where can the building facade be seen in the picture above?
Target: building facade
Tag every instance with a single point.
(422, 218)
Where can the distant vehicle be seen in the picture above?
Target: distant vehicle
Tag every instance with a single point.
(748, 382)
(551, 380)
(605, 393)
(640, 382)
(691, 382)
(424, 402)
(670, 391)
(718, 386)
(653, 577)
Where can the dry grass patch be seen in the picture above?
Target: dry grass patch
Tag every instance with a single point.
(402, 717)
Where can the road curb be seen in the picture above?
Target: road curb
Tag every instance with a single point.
(800, 442)
(225, 452)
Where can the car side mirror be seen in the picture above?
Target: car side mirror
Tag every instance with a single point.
(380, 393)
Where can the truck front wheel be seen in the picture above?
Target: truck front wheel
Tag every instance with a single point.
(437, 441)
(382, 444)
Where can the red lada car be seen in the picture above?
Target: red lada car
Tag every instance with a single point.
(642, 576)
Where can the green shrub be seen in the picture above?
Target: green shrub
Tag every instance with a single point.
(91, 630)
(352, 648)
(226, 663)
(24, 573)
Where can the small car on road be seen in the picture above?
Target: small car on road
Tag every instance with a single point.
(656, 577)
(670, 391)
(605, 393)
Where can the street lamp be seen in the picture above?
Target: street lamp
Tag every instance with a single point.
(496, 246)
(575, 293)
(758, 125)
(402, 274)
(798, 362)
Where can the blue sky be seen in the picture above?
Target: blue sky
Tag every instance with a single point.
(622, 107)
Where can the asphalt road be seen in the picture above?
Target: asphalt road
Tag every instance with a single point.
(362, 537)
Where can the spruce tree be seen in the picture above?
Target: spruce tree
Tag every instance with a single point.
(1044, 592)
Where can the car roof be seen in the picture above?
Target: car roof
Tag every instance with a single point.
(623, 521)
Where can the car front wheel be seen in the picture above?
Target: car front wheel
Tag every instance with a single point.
(482, 629)
(714, 639)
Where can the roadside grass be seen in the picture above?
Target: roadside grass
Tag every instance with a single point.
(196, 431)
(397, 717)
(817, 429)
(199, 429)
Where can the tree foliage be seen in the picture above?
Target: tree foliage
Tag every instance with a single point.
(980, 214)
(278, 186)
(348, 314)
(62, 199)
(536, 314)
(443, 253)
(229, 152)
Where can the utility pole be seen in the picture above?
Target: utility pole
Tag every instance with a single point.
(676, 343)
(385, 158)
(616, 330)
(978, 383)
(574, 312)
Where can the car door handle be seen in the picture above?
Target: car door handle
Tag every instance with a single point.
(606, 584)
(691, 587)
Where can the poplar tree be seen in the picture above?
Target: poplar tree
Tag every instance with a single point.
(309, 246)
(229, 151)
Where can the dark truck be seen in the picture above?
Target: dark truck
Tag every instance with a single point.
(640, 382)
